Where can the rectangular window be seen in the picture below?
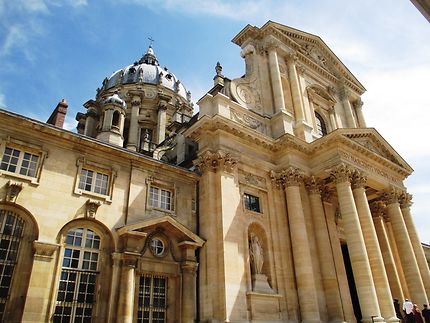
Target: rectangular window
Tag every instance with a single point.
(152, 299)
(160, 198)
(252, 202)
(19, 162)
(92, 181)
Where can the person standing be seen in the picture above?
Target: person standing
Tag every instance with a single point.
(408, 309)
(426, 313)
(397, 308)
(417, 314)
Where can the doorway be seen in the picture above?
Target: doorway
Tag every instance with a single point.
(351, 283)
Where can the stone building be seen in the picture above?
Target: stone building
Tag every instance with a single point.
(275, 203)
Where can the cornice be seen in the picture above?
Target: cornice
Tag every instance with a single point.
(55, 136)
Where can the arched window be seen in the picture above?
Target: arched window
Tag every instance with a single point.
(321, 127)
(79, 273)
(115, 119)
(11, 233)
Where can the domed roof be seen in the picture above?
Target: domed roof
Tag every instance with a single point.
(147, 70)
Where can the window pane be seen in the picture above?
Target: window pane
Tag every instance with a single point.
(11, 228)
(101, 184)
(78, 279)
(85, 180)
(153, 196)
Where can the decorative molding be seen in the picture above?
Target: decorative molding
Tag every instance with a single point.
(370, 168)
(214, 161)
(91, 208)
(13, 190)
(248, 121)
(252, 179)
(44, 249)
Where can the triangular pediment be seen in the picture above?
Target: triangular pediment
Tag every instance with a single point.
(168, 224)
(373, 142)
(310, 46)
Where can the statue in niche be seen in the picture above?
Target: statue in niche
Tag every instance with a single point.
(256, 254)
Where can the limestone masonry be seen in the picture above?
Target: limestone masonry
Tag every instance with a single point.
(274, 203)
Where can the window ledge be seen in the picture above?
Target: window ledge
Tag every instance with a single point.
(105, 198)
(32, 180)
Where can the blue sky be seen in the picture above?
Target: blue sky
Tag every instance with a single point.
(54, 49)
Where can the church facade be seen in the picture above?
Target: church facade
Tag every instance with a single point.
(274, 203)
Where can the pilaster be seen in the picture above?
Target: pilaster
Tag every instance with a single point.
(275, 77)
(127, 287)
(39, 290)
(349, 116)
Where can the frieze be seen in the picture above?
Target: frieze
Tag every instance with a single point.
(368, 167)
(247, 120)
(252, 179)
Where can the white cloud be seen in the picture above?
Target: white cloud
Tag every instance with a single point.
(237, 10)
(16, 36)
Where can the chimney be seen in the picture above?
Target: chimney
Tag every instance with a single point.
(59, 114)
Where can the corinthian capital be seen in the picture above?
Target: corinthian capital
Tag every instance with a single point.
(358, 103)
(405, 200)
(378, 208)
(314, 185)
(214, 161)
(341, 173)
(391, 196)
(290, 176)
(358, 179)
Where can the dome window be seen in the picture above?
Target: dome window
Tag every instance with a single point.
(115, 119)
(169, 76)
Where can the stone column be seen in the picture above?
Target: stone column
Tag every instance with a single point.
(308, 300)
(406, 251)
(377, 209)
(328, 270)
(349, 116)
(358, 105)
(133, 131)
(116, 272)
(405, 204)
(395, 251)
(90, 122)
(161, 122)
(342, 279)
(189, 270)
(39, 289)
(107, 119)
(127, 287)
(379, 275)
(275, 77)
(356, 247)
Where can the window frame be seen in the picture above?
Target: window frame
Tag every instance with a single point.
(322, 125)
(97, 169)
(79, 270)
(258, 199)
(23, 148)
(162, 187)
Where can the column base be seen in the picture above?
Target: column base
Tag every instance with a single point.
(373, 319)
(392, 320)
